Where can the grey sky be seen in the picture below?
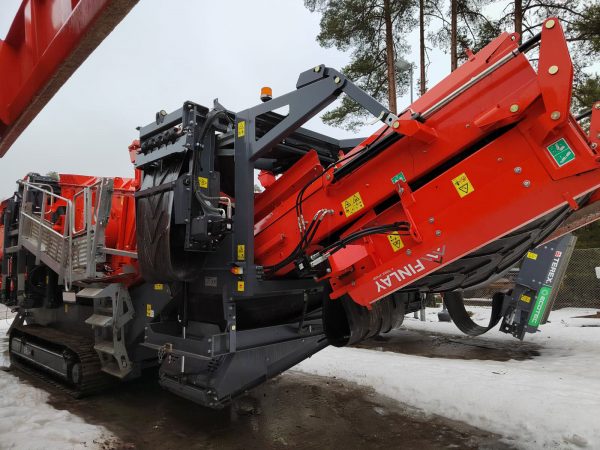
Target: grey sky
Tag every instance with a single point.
(163, 53)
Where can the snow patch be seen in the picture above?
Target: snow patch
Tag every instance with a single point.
(551, 401)
(28, 421)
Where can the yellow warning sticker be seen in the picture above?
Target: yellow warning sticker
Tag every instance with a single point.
(66, 308)
(395, 241)
(149, 310)
(203, 182)
(353, 204)
(462, 185)
(532, 255)
(240, 286)
(525, 298)
(241, 128)
(241, 252)
(159, 287)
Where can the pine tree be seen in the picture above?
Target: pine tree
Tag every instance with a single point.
(373, 30)
(464, 26)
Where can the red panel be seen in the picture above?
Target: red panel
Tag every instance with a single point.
(498, 136)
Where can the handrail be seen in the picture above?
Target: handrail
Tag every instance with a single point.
(68, 258)
(67, 229)
(86, 201)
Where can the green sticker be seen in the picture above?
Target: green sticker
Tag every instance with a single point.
(561, 152)
(540, 306)
(398, 177)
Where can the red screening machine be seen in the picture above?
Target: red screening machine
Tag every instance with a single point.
(186, 267)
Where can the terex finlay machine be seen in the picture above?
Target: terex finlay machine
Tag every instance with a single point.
(186, 267)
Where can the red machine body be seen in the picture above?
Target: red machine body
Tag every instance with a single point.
(498, 140)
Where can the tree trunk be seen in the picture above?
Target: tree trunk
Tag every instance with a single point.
(519, 18)
(423, 82)
(389, 48)
(453, 33)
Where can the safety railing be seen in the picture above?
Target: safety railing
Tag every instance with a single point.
(74, 251)
(38, 234)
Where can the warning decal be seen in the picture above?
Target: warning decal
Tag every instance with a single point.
(203, 182)
(525, 298)
(240, 286)
(241, 129)
(352, 204)
(395, 241)
(241, 252)
(532, 255)
(462, 185)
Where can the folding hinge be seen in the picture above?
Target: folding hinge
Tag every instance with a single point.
(407, 199)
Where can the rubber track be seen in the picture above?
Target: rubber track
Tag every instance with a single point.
(93, 379)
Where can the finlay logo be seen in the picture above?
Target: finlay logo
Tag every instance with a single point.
(385, 282)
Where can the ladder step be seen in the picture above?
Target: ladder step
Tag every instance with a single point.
(99, 320)
(90, 292)
(105, 347)
(114, 370)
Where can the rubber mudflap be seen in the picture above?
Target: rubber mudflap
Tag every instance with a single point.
(456, 307)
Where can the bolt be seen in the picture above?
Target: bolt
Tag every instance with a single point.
(317, 69)
(597, 106)
(553, 70)
(431, 220)
(518, 169)
(409, 252)
(550, 23)
(499, 159)
(594, 145)
(328, 177)
(514, 108)
(555, 115)
(438, 232)
(337, 80)
(526, 183)
(396, 124)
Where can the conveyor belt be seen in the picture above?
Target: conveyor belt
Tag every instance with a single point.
(161, 256)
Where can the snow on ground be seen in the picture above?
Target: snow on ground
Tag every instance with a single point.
(27, 421)
(551, 401)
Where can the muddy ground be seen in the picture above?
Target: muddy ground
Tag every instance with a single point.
(293, 410)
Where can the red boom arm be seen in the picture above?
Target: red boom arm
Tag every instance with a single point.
(47, 41)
